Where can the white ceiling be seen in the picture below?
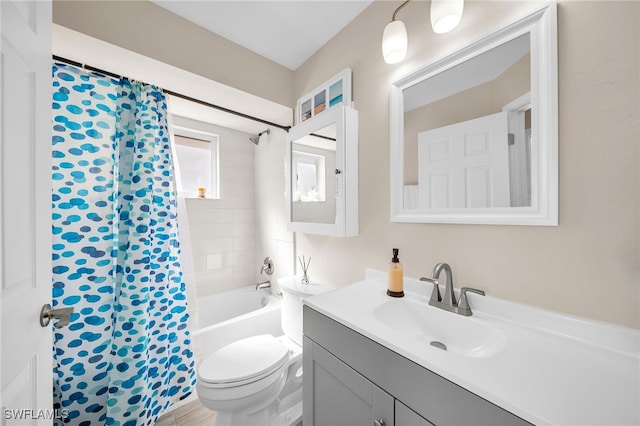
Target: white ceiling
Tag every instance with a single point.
(287, 32)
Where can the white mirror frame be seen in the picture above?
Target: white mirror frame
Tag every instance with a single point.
(346, 191)
(542, 26)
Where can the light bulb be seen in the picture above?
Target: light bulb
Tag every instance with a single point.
(446, 14)
(394, 42)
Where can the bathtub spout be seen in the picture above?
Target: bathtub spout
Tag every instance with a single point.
(264, 284)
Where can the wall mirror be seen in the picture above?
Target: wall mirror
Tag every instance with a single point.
(322, 168)
(474, 135)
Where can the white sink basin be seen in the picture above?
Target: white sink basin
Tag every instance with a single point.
(439, 329)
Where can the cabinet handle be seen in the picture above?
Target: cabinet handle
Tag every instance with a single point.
(378, 422)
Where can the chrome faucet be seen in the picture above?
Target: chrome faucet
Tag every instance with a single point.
(449, 303)
(264, 284)
(449, 294)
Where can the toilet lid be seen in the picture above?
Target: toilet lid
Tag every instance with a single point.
(251, 358)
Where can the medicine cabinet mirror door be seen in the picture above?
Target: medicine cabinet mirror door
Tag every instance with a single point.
(474, 135)
(322, 168)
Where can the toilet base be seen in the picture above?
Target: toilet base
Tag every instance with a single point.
(279, 404)
(292, 414)
(285, 411)
(267, 417)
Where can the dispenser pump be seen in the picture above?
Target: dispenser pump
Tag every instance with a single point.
(396, 284)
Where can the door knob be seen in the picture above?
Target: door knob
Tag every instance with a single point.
(378, 422)
(47, 314)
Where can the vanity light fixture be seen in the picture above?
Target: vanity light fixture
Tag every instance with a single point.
(394, 39)
(445, 16)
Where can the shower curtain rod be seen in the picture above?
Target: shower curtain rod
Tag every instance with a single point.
(176, 94)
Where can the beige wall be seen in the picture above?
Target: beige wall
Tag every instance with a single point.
(589, 265)
(148, 29)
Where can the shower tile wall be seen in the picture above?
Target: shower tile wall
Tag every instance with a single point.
(273, 238)
(223, 231)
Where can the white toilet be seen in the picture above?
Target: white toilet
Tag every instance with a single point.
(258, 380)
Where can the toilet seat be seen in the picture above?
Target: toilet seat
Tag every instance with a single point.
(240, 363)
(258, 380)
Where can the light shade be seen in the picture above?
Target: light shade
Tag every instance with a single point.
(446, 14)
(394, 42)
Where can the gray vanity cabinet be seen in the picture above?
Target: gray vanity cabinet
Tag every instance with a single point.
(341, 396)
(352, 380)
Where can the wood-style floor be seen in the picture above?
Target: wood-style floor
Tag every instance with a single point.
(191, 414)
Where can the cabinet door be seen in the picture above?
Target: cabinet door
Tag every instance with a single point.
(322, 174)
(335, 394)
(405, 416)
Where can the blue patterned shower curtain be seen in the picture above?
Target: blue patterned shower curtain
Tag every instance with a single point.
(126, 355)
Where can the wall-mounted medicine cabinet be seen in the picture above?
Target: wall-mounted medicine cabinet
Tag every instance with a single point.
(322, 169)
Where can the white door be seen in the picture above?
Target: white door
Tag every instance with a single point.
(465, 164)
(25, 211)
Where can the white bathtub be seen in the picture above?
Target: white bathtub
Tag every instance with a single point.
(235, 314)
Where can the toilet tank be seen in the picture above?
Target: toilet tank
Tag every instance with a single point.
(293, 293)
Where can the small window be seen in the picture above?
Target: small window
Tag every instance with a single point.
(197, 156)
(310, 178)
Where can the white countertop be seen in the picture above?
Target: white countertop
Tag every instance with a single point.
(553, 368)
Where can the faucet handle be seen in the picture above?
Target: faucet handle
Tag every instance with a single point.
(267, 266)
(463, 304)
(435, 294)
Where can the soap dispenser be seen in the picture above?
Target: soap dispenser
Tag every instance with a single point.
(396, 285)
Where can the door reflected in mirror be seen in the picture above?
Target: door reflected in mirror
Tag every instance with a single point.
(466, 133)
(313, 166)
